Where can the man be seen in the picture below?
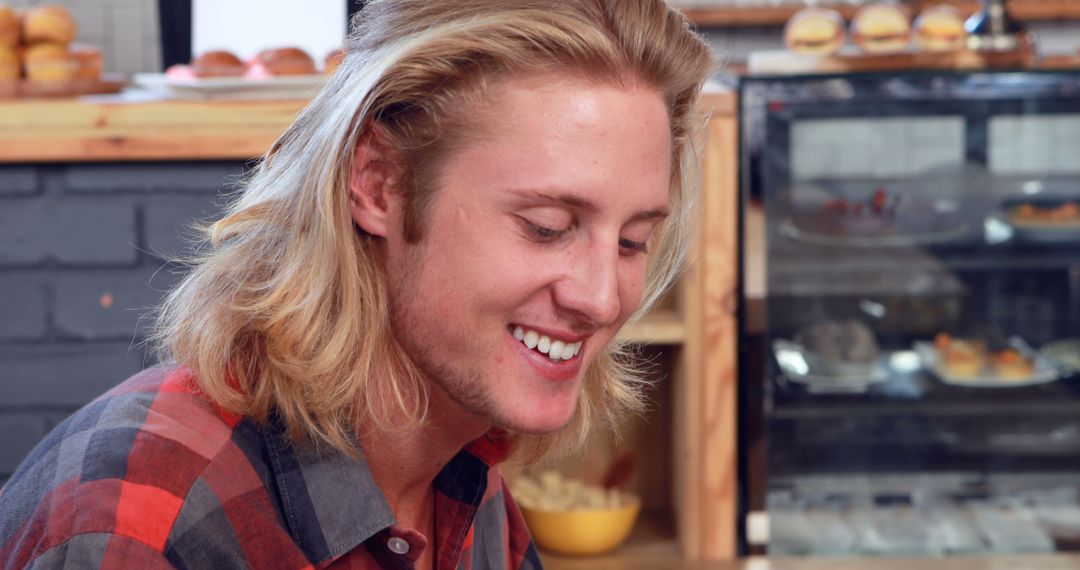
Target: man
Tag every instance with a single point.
(425, 274)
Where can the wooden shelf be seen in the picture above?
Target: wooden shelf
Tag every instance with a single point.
(58, 130)
(851, 61)
(662, 326)
(745, 16)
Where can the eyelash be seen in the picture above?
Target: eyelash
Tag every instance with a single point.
(635, 246)
(547, 235)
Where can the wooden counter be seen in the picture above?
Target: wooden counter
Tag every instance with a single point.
(105, 129)
(1006, 562)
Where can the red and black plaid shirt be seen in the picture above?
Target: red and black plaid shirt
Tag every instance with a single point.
(151, 475)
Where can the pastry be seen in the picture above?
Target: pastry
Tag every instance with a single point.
(48, 23)
(815, 31)
(218, 63)
(9, 27)
(1011, 364)
(881, 28)
(939, 29)
(960, 357)
(284, 61)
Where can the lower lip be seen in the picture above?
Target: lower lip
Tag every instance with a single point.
(553, 370)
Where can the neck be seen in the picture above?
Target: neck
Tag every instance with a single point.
(404, 463)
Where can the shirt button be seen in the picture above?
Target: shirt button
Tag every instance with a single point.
(398, 545)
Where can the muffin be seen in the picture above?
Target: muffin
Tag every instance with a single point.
(49, 23)
(9, 27)
(9, 64)
(218, 63)
(49, 62)
(285, 61)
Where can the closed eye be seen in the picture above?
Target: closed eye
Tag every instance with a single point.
(634, 247)
(544, 234)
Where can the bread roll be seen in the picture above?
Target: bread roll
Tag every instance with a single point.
(9, 27)
(333, 60)
(286, 61)
(49, 23)
(89, 60)
(218, 63)
(940, 28)
(881, 28)
(815, 31)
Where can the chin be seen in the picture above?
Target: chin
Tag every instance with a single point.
(540, 420)
(540, 427)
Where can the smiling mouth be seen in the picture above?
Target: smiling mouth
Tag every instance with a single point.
(554, 349)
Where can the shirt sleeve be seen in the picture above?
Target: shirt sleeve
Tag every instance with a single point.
(100, 550)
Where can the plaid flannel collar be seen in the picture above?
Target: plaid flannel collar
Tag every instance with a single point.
(331, 503)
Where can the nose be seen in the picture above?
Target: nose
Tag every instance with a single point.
(590, 287)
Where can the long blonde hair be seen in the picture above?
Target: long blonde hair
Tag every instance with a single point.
(286, 312)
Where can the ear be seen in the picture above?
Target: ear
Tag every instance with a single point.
(374, 183)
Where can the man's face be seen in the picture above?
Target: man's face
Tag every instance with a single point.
(533, 244)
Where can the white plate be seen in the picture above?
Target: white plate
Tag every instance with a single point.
(798, 365)
(790, 230)
(1047, 233)
(1044, 372)
(286, 87)
(1065, 352)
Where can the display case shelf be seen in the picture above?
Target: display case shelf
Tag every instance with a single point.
(916, 226)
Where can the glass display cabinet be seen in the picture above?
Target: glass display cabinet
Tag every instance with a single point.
(911, 376)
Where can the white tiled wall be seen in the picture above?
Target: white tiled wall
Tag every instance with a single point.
(1034, 145)
(125, 30)
(875, 148)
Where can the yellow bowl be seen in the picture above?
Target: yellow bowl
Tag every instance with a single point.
(582, 532)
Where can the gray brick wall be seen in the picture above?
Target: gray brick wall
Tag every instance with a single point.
(82, 260)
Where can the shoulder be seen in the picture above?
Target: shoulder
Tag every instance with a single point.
(122, 466)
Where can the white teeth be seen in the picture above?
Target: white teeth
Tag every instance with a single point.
(556, 351)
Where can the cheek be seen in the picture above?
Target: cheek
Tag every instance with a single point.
(631, 288)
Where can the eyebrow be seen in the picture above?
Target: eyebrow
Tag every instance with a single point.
(582, 203)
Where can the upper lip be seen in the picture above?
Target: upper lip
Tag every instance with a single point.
(563, 335)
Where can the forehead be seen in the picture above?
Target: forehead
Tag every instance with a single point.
(568, 134)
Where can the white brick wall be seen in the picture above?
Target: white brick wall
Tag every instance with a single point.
(884, 149)
(1035, 145)
(125, 30)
